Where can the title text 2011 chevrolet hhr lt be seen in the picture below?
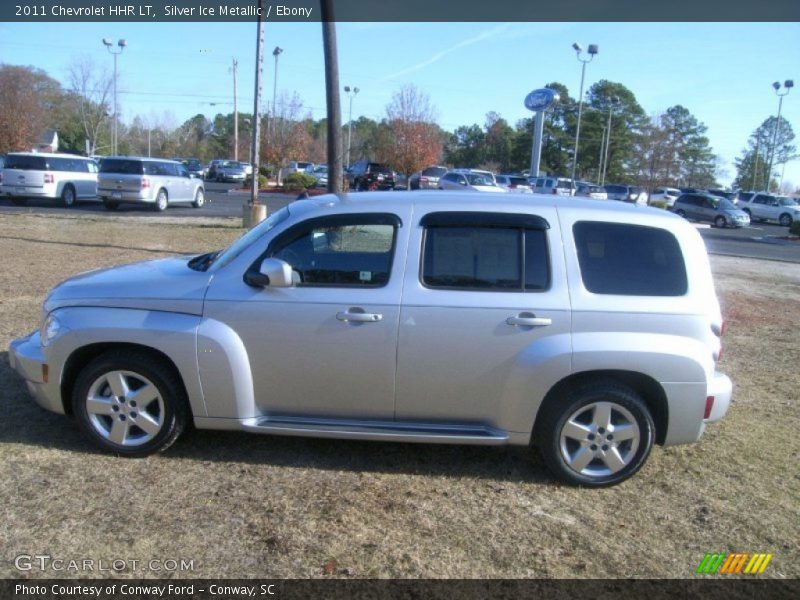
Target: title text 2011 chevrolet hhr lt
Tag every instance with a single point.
(589, 329)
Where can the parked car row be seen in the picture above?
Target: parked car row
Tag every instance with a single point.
(118, 180)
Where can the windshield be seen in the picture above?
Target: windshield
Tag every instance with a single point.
(475, 179)
(722, 203)
(240, 245)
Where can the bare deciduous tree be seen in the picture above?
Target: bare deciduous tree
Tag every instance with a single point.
(92, 87)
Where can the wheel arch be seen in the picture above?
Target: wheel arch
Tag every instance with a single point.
(82, 356)
(651, 392)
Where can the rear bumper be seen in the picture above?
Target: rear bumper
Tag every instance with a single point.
(123, 196)
(721, 388)
(27, 359)
(48, 191)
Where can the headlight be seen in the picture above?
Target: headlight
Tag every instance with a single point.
(51, 328)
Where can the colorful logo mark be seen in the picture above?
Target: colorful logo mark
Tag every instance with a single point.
(732, 564)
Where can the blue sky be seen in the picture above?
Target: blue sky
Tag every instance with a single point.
(722, 72)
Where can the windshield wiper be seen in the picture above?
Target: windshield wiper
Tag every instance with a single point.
(202, 262)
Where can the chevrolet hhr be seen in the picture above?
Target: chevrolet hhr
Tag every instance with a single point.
(590, 330)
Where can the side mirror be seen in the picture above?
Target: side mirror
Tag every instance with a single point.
(273, 272)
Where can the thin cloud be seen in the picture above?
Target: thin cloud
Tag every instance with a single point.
(489, 33)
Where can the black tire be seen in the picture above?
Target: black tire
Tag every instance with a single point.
(162, 201)
(141, 364)
(199, 198)
(555, 414)
(785, 220)
(720, 222)
(681, 213)
(17, 201)
(68, 196)
(110, 204)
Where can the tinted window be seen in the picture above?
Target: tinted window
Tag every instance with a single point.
(121, 166)
(342, 255)
(631, 260)
(434, 171)
(518, 180)
(485, 258)
(26, 163)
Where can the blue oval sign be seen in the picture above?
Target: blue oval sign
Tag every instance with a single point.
(541, 99)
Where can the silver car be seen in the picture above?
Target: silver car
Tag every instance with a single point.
(589, 329)
(151, 181)
(712, 209)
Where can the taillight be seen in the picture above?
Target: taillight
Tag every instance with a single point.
(48, 178)
(423, 181)
(512, 186)
(145, 182)
(709, 407)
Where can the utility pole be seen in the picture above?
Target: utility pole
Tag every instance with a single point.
(333, 103)
(235, 114)
(254, 212)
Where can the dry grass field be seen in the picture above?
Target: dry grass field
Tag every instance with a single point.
(243, 505)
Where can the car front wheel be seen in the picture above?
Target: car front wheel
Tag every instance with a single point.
(129, 403)
(199, 199)
(720, 221)
(599, 437)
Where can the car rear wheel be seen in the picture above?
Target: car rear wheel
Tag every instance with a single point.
(600, 436)
(161, 201)
(130, 403)
(199, 198)
(68, 196)
(785, 220)
(720, 221)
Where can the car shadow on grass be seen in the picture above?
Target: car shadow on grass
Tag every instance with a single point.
(89, 245)
(26, 423)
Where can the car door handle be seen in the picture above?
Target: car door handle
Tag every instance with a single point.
(527, 319)
(357, 315)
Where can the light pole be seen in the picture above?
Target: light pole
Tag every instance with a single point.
(109, 45)
(788, 85)
(276, 53)
(350, 92)
(612, 102)
(592, 50)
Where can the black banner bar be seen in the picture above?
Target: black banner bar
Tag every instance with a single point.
(229, 589)
(401, 10)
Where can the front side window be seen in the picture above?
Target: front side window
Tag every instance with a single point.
(502, 256)
(630, 260)
(354, 254)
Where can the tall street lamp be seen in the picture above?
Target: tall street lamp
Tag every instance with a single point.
(276, 53)
(350, 92)
(787, 85)
(109, 46)
(592, 50)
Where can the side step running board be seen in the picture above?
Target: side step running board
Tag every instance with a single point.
(378, 430)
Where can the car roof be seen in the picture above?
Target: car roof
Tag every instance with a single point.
(142, 158)
(459, 201)
(48, 154)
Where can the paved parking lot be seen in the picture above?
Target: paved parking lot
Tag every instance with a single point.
(761, 240)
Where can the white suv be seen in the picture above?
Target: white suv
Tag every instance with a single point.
(64, 177)
(766, 207)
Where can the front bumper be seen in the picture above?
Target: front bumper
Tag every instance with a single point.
(721, 388)
(27, 358)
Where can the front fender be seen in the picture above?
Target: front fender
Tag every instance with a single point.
(172, 334)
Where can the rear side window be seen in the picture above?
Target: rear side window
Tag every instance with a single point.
(25, 162)
(495, 257)
(629, 260)
(121, 166)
